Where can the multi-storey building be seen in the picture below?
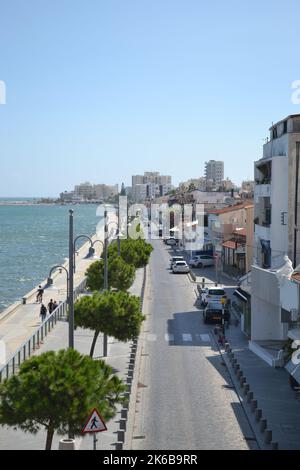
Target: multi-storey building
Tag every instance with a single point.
(150, 185)
(214, 170)
(277, 225)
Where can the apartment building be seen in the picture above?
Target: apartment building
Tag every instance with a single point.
(276, 249)
(150, 185)
(214, 170)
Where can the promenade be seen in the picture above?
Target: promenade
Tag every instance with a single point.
(118, 358)
(18, 322)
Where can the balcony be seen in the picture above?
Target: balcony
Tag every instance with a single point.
(263, 232)
(262, 190)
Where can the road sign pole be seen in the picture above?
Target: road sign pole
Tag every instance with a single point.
(94, 441)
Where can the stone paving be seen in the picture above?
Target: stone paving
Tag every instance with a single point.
(118, 358)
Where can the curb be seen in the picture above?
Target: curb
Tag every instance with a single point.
(126, 418)
(249, 402)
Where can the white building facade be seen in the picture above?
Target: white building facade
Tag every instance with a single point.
(276, 240)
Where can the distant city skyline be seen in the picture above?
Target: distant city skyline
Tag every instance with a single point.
(105, 90)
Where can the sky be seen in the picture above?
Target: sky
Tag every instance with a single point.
(100, 90)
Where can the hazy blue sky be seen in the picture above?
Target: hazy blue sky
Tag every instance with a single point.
(100, 90)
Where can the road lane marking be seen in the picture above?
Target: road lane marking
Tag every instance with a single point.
(187, 337)
(205, 338)
(169, 337)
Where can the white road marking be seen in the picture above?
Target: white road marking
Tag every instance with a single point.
(169, 337)
(187, 337)
(205, 338)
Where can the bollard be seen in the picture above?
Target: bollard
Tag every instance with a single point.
(242, 381)
(66, 444)
(236, 368)
(239, 374)
(263, 425)
(130, 373)
(253, 405)
(124, 413)
(268, 436)
(249, 396)
(246, 388)
(121, 436)
(258, 414)
(274, 445)
(119, 445)
(122, 424)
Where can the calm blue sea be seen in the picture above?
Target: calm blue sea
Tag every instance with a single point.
(32, 239)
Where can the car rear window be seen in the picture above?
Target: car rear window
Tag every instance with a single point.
(180, 263)
(216, 292)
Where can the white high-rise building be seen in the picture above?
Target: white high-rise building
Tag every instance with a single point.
(150, 185)
(214, 170)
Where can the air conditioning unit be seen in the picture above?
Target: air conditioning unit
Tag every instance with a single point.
(294, 314)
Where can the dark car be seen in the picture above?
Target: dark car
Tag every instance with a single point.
(213, 313)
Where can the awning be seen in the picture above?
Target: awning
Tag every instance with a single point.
(242, 295)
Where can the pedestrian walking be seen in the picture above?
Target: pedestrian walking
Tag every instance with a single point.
(54, 306)
(39, 296)
(43, 312)
(50, 306)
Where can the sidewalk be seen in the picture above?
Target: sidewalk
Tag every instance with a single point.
(18, 323)
(278, 402)
(280, 405)
(118, 359)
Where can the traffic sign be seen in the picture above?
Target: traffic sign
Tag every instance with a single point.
(95, 423)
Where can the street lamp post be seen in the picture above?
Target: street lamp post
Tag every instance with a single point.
(74, 248)
(118, 236)
(105, 273)
(50, 280)
(71, 279)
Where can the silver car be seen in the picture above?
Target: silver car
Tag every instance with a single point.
(180, 267)
(174, 259)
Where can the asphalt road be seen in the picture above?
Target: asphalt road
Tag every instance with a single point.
(185, 398)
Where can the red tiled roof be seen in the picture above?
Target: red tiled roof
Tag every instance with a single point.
(231, 244)
(236, 207)
(240, 231)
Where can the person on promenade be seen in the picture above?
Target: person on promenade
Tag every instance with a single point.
(43, 312)
(50, 306)
(54, 306)
(39, 296)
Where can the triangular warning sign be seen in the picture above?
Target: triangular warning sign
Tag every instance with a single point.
(95, 423)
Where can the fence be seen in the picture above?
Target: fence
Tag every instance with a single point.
(29, 347)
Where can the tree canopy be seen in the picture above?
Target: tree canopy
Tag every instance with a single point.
(135, 252)
(120, 274)
(57, 391)
(114, 313)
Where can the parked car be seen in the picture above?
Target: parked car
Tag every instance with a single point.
(212, 294)
(180, 267)
(201, 261)
(171, 241)
(213, 312)
(174, 259)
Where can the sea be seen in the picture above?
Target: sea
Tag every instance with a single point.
(33, 238)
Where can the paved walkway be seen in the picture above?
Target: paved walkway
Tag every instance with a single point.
(270, 386)
(118, 358)
(17, 325)
(279, 403)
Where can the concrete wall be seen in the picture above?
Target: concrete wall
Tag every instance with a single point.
(265, 306)
(279, 204)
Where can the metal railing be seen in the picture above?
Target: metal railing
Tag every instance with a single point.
(33, 343)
